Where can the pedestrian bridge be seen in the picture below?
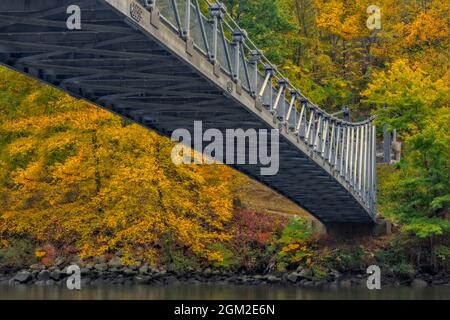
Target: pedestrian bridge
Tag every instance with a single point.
(167, 63)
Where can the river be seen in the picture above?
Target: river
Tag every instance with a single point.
(218, 292)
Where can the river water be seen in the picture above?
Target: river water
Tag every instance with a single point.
(217, 292)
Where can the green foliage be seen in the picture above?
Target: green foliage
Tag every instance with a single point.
(230, 260)
(442, 254)
(404, 270)
(347, 259)
(295, 244)
(394, 254)
(411, 96)
(18, 253)
(416, 194)
(267, 23)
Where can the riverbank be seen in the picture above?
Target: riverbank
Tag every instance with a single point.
(106, 273)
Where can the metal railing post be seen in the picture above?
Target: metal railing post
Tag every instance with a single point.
(217, 11)
(187, 22)
(361, 157)
(374, 169)
(336, 146)
(324, 136)
(255, 56)
(269, 73)
(352, 154)
(239, 37)
(298, 128)
(308, 131)
(347, 153)
(331, 144)
(283, 84)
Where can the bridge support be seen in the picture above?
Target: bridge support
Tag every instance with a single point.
(356, 230)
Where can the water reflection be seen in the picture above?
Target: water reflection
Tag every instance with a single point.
(216, 292)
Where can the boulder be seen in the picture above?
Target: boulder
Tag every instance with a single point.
(37, 267)
(100, 260)
(50, 282)
(59, 261)
(129, 272)
(56, 275)
(419, 283)
(101, 267)
(334, 274)
(143, 269)
(44, 275)
(115, 262)
(293, 277)
(22, 277)
(272, 279)
(305, 273)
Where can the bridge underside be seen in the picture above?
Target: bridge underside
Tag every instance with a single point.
(114, 65)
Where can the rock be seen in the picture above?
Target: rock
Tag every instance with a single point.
(419, 283)
(129, 272)
(115, 262)
(22, 277)
(173, 280)
(85, 282)
(334, 274)
(293, 277)
(193, 281)
(272, 279)
(59, 261)
(438, 282)
(100, 260)
(37, 267)
(55, 275)
(143, 279)
(118, 280)
(307, 283)
(305, 273)
(78, 262)
(50, 282)
(119, 253)
(101, 267)
(44, 275)
(143, 269)
(85, 271)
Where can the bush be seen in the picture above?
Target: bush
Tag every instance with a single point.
(347, 259)
(295, 244)
(404, 270)
(254, 236)
(396, 253)
(19, 253)
(442, 254)
(230, 261)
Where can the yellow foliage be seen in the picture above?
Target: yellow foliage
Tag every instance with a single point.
(91, 181)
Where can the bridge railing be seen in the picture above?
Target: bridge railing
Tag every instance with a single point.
(348, 148)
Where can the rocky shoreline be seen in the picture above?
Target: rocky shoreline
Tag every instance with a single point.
(114, 273)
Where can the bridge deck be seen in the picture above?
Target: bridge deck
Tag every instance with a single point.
(144, 71)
